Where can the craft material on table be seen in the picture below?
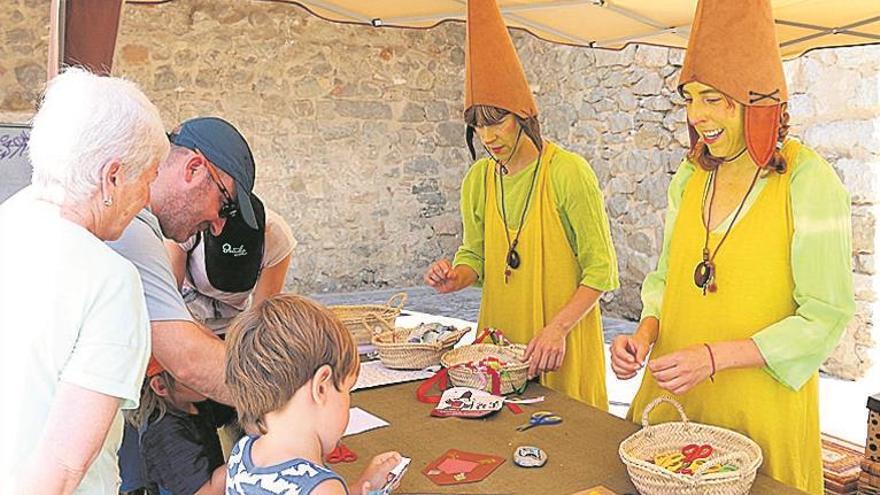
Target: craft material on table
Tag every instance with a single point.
(598, 490)
(465, 402)
(529, 457)
(393, 477)
(690, 458)
(426, 333)
(541, 418)
(374, 374)
(340, 454)
(581, 451)
(456, 467)
(360, 421)
(524, 400)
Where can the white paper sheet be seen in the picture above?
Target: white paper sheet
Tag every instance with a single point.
(374, 374)
(360, 421)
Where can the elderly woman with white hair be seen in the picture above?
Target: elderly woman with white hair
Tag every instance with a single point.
(73, 322)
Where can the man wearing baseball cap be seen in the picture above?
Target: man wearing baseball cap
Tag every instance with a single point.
(206, 179)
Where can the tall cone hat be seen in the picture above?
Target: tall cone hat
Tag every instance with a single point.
(493, 73)
(733, 49)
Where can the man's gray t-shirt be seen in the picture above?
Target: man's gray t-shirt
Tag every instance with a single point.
(141, 243)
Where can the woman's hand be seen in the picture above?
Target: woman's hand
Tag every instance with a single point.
(375, 475)
(442, 276)
(628, 355)
(546, 350)
(682, 370)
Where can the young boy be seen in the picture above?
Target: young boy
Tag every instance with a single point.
(178, 437)
(290, 366)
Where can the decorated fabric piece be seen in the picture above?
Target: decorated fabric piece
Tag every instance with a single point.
(733, 48)
(457, 467)
(465, 402)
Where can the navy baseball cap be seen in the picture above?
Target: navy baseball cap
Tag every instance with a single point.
(225, 148)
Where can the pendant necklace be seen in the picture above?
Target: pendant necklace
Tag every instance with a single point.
(704, 273)
(513, 260)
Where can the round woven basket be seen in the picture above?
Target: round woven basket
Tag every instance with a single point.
(513, 375)
(395, 352)
(366, 320)
(729, 447)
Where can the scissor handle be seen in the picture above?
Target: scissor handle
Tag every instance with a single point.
(741, 457)
(695, 451)
(550, 420)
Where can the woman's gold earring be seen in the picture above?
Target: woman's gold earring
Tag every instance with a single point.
(108, 202)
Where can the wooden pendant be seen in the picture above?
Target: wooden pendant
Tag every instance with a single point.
(513, 259)
(703, 274)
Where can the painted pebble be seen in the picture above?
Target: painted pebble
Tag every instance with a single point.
(529, 457)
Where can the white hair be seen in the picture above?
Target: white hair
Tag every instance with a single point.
(86, 121)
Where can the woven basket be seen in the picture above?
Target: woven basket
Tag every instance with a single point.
(366, 320)
(396, 353)
(729, 447)
(514, 375)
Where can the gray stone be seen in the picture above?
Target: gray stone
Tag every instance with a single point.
(620, 122)
(452, 134)
(19, 36)
(651, 56)
(436, 111)
(641, 243)
(30, 75)
(362, 109)
(606, 57)
(421, 165)
(616, 205)
(650, 84)
(412, 113)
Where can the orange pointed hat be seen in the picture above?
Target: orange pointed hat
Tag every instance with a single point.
(733, 49)
(493, 73)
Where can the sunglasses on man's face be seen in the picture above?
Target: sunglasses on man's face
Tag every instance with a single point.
(229, 208)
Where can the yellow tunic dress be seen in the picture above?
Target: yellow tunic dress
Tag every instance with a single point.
(755, 289)
(545, 281)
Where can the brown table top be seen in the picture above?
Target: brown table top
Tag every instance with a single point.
(581, 451)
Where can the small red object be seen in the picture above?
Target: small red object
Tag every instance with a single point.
(340, 454)
(693, 452)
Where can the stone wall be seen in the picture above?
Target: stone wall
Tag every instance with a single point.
(360, 145)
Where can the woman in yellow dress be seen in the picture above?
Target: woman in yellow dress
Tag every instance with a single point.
(536, 236)
(754, 287)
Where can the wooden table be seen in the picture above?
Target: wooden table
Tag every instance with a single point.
(582, 451)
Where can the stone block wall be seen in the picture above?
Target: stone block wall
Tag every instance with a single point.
(359, 142)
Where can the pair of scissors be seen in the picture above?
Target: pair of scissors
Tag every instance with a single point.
(541, 418)
(693, 452)
(672, 461)
(341, 454)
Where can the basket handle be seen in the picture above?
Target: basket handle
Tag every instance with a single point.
(397, 301)
(657, 401)
(454, 336)
(382, 320)
(722, 460)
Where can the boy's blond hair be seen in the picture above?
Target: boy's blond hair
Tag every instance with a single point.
(151, 402)
(275, 348)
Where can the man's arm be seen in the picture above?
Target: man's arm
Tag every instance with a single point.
(185, 348)
(193, 355)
